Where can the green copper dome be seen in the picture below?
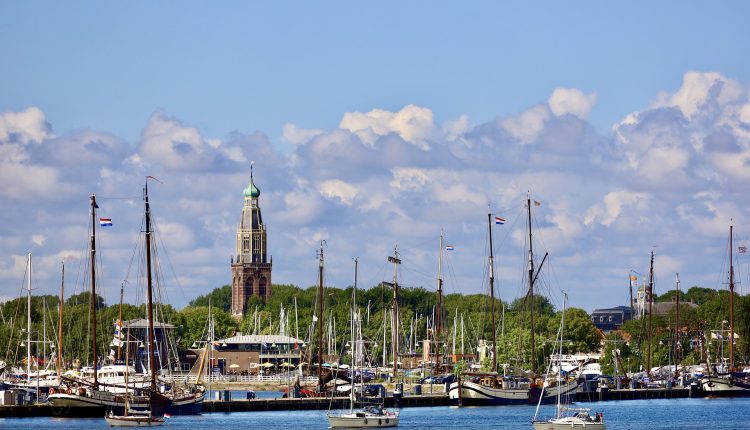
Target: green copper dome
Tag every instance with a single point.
(251, 190)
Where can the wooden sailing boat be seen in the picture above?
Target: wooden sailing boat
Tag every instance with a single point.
(565, 417)
(88, 397)
(372, 416)
(728, 383)
(490, 388)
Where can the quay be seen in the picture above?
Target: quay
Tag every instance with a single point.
(324, 403)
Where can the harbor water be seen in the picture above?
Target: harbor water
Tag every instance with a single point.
(696, 413)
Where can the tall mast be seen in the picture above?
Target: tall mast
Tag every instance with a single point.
(320, 322)
(650, 296)
(28, 324)
(677, 322)
(60, 322)
(439, 308)
(119, 322)
(92, 305)
(531, 291)
(395, 332)
(491, 263)
(731, 300)
(149, 292)
(354, 339)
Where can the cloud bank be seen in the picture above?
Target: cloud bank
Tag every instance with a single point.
(670, 175)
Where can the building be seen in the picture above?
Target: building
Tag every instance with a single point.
(251, 268)
(611, 318)
(136, 331)
(252, 354)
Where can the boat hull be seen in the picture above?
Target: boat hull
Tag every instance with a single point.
(564, 423)
(187, 405)
(131, 421)
(474, 394)
(353, 421)
(724, 387)
(97, 403)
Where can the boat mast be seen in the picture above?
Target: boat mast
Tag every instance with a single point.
(119, 321)
(354, 344)
(677, 322)
(559, 364)
(731, 301)
(149, 292)
(28, 324)
(320, 322)
(531, 290)
(650, 316)
(60, 322)
(491, 263)
(395, 311)
(92, 305)
(439, 308)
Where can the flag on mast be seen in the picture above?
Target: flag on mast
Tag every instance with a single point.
(105, 222)
(499, 221)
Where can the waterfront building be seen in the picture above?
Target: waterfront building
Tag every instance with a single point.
(253, 354)
(251, 266)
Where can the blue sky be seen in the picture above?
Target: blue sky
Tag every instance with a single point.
(633, 106)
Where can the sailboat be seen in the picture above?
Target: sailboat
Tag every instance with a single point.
(371, 416)
(565, 417)
(131, 418)
(728, 384)
(490, 388)
(87, 397)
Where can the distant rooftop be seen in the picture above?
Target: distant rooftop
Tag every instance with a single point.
(143, 323)
(260, 338)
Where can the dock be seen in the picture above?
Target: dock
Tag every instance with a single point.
(325, 403)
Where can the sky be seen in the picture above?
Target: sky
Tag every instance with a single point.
(374, 126)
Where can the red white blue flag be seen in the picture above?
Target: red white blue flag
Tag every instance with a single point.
(499, 220)
(105, 222)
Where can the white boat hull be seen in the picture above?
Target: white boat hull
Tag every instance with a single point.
(568, 423)
(133, 421)
(367, 421)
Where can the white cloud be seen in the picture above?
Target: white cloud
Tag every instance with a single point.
(697, 89)
(409, 178)
(613, 205)
(340, 190)
(571, 101)
(297, 136)
(528, 125)
(29, 125)
(412, 123)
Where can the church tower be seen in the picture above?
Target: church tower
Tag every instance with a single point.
(251, 270)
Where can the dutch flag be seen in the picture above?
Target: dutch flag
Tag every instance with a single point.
(105, 222)
(499, 221)
(449, 248)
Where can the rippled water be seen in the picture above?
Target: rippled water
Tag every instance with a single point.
(619, 415)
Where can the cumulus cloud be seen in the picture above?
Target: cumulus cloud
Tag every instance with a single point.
(297, 136)
(571, 101)
(527, 126)
(29, 125)
(413, 124)
(340, 190)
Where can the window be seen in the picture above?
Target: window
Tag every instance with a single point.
(610, 318)
(601, 319)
